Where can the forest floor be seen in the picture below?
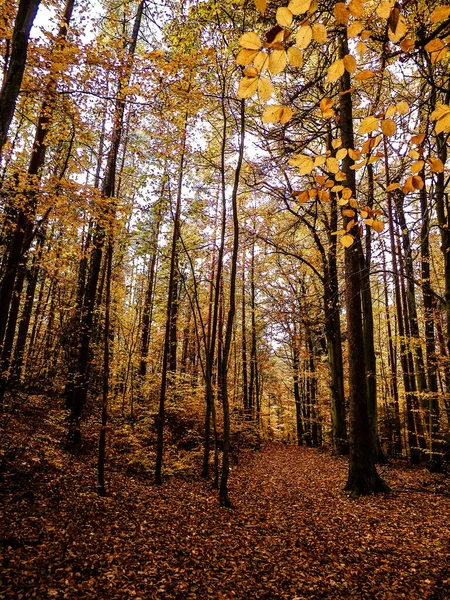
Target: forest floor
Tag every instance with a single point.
(293, 534)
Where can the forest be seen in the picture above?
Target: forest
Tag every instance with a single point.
(225, 299)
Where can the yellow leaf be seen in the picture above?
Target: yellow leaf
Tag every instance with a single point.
(390, 111)
(295, 57)
(400, 30)
(366, 221)
(305, 164)
(261, 5)
(408, 186)
(245, 56)
(440, 14)
(368, 125)
(388, 127)
(392, 186)
(337, 188)
(341, 13)
(338, 232)
(319, 33)
(417, 139)
(443, 124)
(319, 161)
(361, 49)
(286, 115)
(250, 41)
(348, 212)
(261, 61)
(402, 107)
(272, 113)
(417, 182)
(349, 63)
(250, 71)
(326, 106)
(332, 165)
(370, 144)
(304, 36)
(298, 7)
(336, 143)
(346, 240)
(353, 203)
(436, 44)
(436, 165)
(440, 111)
(364, 75)
(414, 154)
(417, 166)
(336, 70)
(284, 16)
(354, 29)
(340, 176)
(356, 8)
(437, 56)
(277, 61)
(302, 196)
(354, 154)
(324, 195)
(378, 226)
(342, 153)
(407, 45)
(265, 88)
(346, 193)
(365, 35)
(247, 87)
(384, 9)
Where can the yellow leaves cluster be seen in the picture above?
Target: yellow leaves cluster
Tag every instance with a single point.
(441, 115)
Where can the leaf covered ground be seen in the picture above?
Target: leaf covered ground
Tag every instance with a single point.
(294, 533)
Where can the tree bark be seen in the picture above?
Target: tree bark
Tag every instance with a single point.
(12, 81)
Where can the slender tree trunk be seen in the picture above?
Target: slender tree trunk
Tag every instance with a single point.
(101, 488)
(148, 302)
(432, 413)
(224, 499)
(171, 299)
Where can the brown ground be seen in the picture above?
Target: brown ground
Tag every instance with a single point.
(294, 534)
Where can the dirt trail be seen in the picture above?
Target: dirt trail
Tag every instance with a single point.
(293, 535)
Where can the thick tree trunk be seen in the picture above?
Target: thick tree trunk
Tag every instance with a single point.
(12, 81)
(363, 477)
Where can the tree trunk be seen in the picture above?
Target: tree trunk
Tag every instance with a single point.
(224, 499)
(12, 81)
(363, 477)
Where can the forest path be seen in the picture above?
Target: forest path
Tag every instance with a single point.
(293, 535)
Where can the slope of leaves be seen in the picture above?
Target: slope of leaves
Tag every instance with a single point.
(294, 533)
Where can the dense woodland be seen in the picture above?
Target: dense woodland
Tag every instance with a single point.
(224, 226)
